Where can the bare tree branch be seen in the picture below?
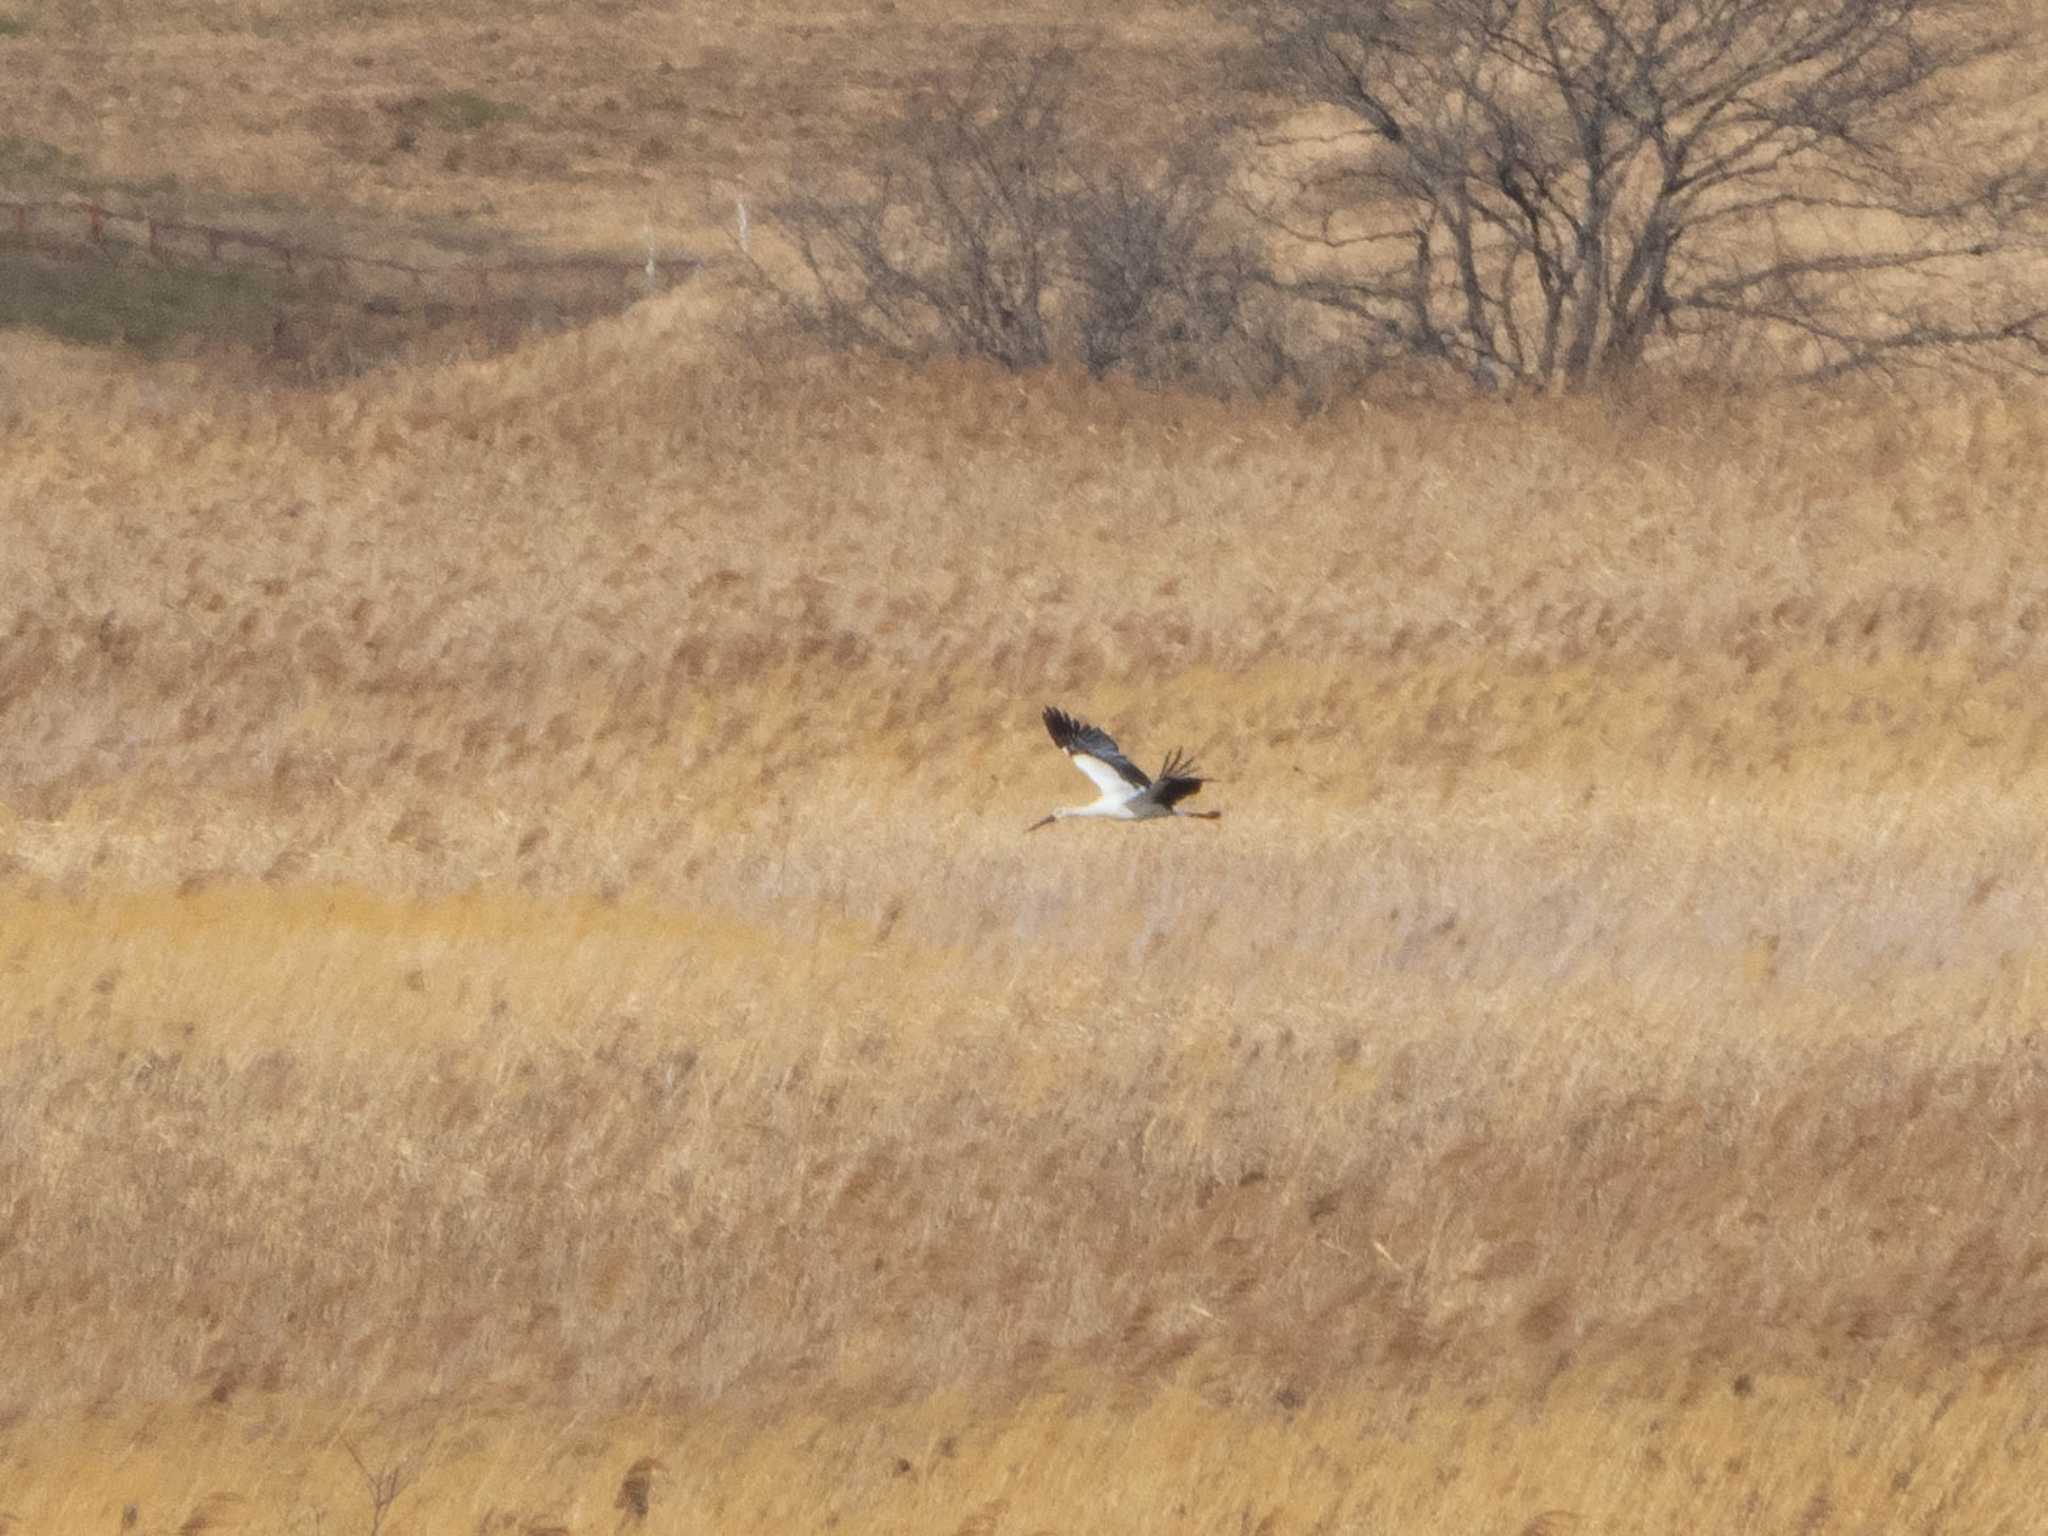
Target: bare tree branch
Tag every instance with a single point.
(1582, 183)
(985, 228)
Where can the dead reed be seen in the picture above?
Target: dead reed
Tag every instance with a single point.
(515, 909)
(524, 1007)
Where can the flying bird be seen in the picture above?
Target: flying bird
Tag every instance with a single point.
(1127, 793)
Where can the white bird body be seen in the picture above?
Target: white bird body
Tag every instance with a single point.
(1126, 791)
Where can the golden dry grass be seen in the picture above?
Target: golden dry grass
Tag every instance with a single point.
(517, 949)
(520, 943)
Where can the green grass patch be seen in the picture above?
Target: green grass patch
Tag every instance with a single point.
(32, 157)
(147, 308)
(468, 111)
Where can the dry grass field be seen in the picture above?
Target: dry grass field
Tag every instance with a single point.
(522, 980)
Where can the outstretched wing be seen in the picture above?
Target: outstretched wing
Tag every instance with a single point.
(1095, 754)
(1177, 780)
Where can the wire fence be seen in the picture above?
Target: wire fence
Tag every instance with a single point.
(76, 227)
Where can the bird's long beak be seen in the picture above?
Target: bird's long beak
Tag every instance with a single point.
(1044, 821)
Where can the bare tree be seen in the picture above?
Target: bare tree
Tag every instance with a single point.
(1548, 190)
(1160, 291)
(985, 224)
(955, 239)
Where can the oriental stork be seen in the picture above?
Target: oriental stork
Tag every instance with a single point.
(1127, 793)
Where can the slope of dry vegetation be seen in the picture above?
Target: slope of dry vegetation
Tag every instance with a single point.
(576, 124)
(519, 964)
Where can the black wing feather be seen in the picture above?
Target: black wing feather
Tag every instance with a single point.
(1177, 780)
(1071, 735)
